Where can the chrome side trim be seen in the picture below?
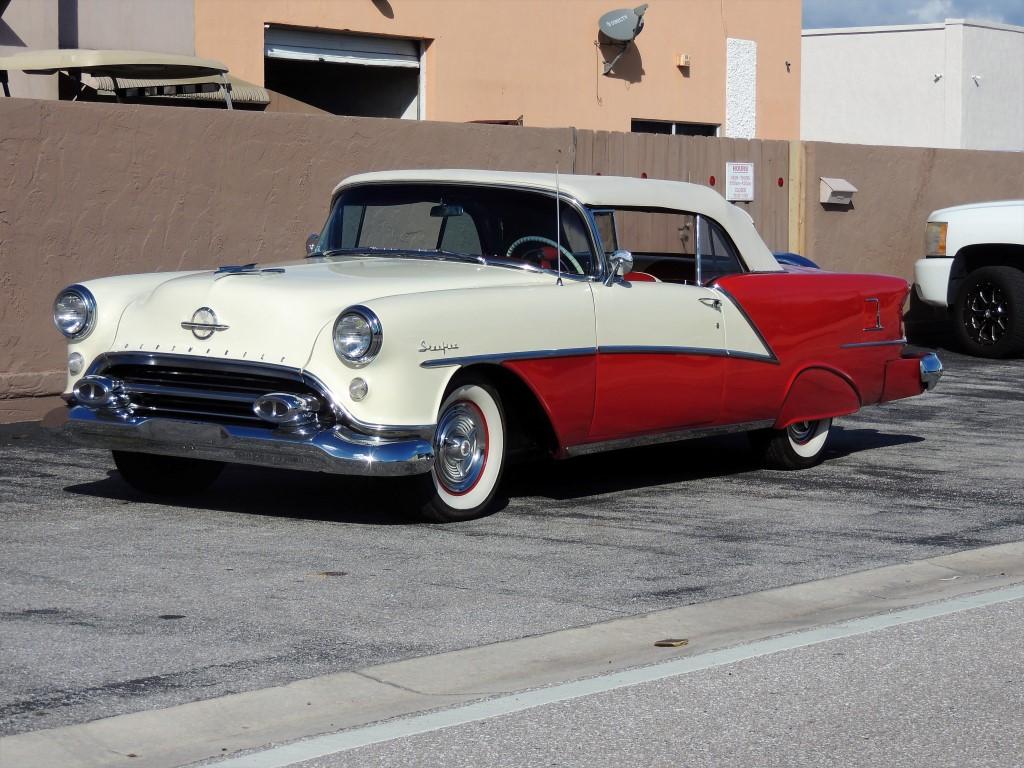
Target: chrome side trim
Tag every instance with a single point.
(501, 357)
(336, 450)
(888, 343)
(654, 438)
(641, 349)
(583, 351)
(753, 356)
(108, 359)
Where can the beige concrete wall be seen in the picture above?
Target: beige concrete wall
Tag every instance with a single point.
(503, 58)
(898, 188)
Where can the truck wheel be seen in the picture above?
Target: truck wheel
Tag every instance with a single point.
(469, 448)
(988, 316)
(166, 475)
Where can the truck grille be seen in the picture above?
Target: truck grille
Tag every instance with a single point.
(221, 391)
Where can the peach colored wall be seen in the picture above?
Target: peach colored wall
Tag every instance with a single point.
(897, 188)
(502, 58)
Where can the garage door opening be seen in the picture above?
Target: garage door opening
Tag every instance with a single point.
(355, 75)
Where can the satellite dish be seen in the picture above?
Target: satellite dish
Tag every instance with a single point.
(620, 27)
(624, 24)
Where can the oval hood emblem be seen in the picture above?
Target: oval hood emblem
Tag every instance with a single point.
(203, 324)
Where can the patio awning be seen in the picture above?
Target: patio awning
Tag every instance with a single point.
(117, 64)
(188, 89)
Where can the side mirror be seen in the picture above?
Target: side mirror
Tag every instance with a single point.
(619, 264)
(312, 244)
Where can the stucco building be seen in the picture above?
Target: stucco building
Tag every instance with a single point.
(711, 67)
(959, 84)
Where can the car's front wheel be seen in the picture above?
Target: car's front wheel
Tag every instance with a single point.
(166, 475)
(988, 317)
(798, 446)
(469, 455)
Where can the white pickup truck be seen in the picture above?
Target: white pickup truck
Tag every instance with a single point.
(974, 267)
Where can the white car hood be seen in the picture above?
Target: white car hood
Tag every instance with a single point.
(275, 317)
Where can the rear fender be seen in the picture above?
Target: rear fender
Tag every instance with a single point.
(818, 393)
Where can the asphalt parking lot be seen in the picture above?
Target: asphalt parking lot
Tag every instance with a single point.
(111, 603)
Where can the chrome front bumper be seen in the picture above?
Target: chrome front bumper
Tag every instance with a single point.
(335, 450)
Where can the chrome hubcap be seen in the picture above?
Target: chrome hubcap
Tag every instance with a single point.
(986, 314)
(460, 445)
(801, 431)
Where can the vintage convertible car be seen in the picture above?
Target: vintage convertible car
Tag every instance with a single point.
(447, 321)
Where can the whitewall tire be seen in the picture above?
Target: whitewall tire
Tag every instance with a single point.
(798, 446)
(469, 454)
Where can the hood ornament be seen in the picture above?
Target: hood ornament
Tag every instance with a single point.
(203, 324)
(246, 269)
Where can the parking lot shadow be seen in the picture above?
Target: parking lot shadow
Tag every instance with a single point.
(277, 493)
(318, 496)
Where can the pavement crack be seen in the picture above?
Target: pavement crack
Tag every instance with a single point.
(368, 676)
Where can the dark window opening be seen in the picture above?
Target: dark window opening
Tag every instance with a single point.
(673, 129)
(345, 89)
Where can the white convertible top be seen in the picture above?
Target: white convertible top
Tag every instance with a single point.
(607, 191)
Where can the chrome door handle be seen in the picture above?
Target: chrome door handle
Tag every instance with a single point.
(713, 303)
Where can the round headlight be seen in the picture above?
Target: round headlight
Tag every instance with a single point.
(74, 312)
(357, 336)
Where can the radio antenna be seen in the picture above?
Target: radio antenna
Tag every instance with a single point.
(558, 225)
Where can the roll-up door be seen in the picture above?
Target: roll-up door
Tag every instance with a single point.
(343, 73)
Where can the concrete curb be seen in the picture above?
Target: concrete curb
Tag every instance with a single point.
(218, 727)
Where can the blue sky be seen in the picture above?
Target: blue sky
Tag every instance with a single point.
(865, 13)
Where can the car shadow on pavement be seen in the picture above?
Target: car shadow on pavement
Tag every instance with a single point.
(318, 496)
(276, 493)
(670, 463)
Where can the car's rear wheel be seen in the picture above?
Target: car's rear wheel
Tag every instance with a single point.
(469, 455)
(166, 475)
(798, 446)
(988, 316)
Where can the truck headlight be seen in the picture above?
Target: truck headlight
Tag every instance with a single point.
(935, 238)
(74, 312)
(357, 336)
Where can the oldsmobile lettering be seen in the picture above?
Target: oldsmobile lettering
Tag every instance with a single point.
(582, 340)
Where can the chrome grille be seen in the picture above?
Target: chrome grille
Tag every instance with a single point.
(218, 391)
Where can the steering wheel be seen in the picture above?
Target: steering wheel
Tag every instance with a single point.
(544, 241)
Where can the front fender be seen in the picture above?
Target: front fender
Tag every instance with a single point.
(428, 337)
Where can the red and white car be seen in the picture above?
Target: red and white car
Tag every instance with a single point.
(445, 319)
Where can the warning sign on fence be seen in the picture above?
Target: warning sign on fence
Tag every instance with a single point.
(739, 181)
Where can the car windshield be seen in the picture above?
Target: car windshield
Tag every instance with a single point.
(509, 226)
